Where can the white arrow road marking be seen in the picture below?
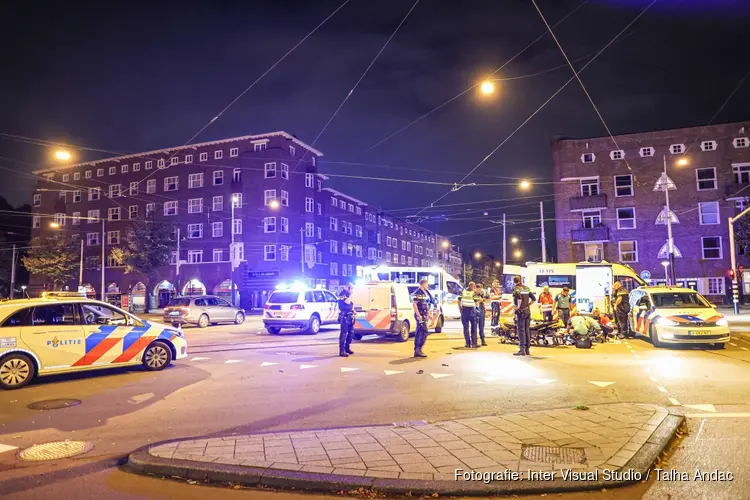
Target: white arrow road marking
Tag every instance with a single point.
(392, 372)
(344, 369)
(545, 380)
(230, 361)
(140, 398)
(702, 407)
(440, 375)
(305, 367)
(268, 363)
(674, 401)
(5, 447)
(600, 384)
(198, 359)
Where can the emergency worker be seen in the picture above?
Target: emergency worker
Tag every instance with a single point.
(346, 320)
(523, 298)
(562, 305)
(496, 295)
(422, 302)
(468, 315)
(622, 308)
(545, 304)
(480, 298)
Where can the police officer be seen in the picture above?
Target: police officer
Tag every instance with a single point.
(479, 299)
(468, 315)
(422, 301)
(496, 295)
(622, 308)
(523, 298)
(346, 320)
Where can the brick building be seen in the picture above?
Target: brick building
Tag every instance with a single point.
(287, 225)
(606, 207)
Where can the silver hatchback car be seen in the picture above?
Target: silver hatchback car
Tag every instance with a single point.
(202, 311)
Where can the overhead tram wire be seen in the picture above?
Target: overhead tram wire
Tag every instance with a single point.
(547, 101)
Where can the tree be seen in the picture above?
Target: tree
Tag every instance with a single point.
(742, 235)
(55, 258)
(147, 248)
(468, 272)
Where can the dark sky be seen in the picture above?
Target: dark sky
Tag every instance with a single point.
(132, 77)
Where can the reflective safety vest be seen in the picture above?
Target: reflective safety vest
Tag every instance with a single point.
(496, 294)
(467, 299)
(545, 302)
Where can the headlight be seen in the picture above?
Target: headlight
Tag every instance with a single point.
(722, 322)
(665, 322)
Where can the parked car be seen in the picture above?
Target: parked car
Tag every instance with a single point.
(203, 310)
(300, 308)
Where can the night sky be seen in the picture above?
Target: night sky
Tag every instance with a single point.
(130, 77)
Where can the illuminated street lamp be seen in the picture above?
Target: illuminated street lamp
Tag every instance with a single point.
(517, 254)
(273, 204)
(666, 184)
(682, 162)
(497, 264)
(478, 255)
(63, 155)
(514, 240)
(445, 244)
(524, 184)
(54, 225)
(487, 87)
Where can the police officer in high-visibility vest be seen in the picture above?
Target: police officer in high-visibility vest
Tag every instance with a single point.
(346, 320)
(496, 295)
(422, 302)
(523, 298)
(467, 305)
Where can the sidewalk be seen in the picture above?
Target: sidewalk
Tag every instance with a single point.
(528, 452)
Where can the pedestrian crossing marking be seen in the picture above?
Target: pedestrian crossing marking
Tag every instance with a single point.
(600, 384)
(344, 369)
(440, 375)
(198, 358)
(662, 389)
(489, 379)
(268, 363)
(674, 401)
(230, 361)
(140, 398)
(743, 348)
(733, 344)
(392, 372)
(305, 367)
(544, 381)
(654, 379)
(5, 447)
(702, 407)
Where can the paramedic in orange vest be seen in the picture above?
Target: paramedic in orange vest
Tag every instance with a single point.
(496, 294)
(545, 304)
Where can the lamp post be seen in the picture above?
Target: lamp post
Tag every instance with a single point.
(665, 263)
(666, 184)
(232, 250)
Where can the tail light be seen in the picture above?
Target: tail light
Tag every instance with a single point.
(297, 307)
(393, 313)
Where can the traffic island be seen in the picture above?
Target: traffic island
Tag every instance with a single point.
(603, 446)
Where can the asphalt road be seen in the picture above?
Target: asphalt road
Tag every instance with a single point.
(239, 379)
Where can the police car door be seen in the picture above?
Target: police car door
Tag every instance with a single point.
(111, 336)
(55, 335)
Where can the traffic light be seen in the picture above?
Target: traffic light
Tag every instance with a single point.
(730, 273)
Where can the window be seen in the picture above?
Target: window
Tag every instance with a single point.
(309, 180)
(395, 258)
(188, 158)
(112, 170)
(359, 210)
(292, 151)
(115, 190)
(309, 230)
(236, 175)
(626, 218)
(76, 218)
(218, 177)
(309, 205)
(170, 208)
(708, 212)
(334, 246)
(149, 209)
(589, 187)
(618, 154)
(284, 252)
(269, 251)
(124, 169)
(195, 256)
(113, 213)
(320, 209)
(77, 176)
(218, 255)
(88, 172)
(260, 146)
(93, 216)
(151, 186)
(237, 200)
(334, 224)
(708, 145)
(36, 221)
(268, 196)
(113, 237)
(711, 247)
(174, 160)
(591, 219)
(284, 225)
(677, 149)
(92, 239)
(270, 169)
(269, 225)
(195, 181)
(218, 154)
(77, 196)
(741, 142)
(160, 163)
(388, 256)
(588, 157)
(334, 202)
(623, 185)
(234, 152)
(351, 207)
(705, 178)
(38, 198)
(60, 219)
(628, 251)
(217, 229)
(320, 233)
(284, 171)
(359, 232)
(309, 254)
(237, 226)
(217, 204)
(334, 268)
(715, 286)
(741, 173)
(645, 152)
(320, 186)
(403, 244)
(284, 198)
(203, 157)
(133, 212)
(593, 252)
(312, 160)
(195, 205)
(403, 259)
(740, 205)
(100, 172)
(195, 231)
(171, 183)
(149, 165)
(358, 250)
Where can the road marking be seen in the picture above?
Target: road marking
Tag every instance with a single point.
(344, 369)
(230, 361)
(600, 384)
(743, 348)
(733, 344)
(489, 379)
(268, 363)
(544, 381)
(703, 422)
(654, 379)
(440, 375)
(392, 372)
(662, 389)
(140, 398)
(198, 359)
(702, 407)
(647, 370)
(674, 401)
(636, 356)
(717, 415)
(305, 367)
(5, 447)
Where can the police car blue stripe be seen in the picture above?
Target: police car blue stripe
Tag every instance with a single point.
(165, 334)
(132, 337)
(97, 337)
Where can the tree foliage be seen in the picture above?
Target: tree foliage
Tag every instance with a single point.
(742, 235)
(147, 248)
(56, 258)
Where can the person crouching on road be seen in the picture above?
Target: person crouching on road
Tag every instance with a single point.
(468, 315)
(346, 320)
(545, 304)
(523, 298)
(562, 305)
(479, 300)
(422, 302)
(604, 321)
(496, 295)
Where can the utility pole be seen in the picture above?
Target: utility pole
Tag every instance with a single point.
(302, 248)
(733, 259)
(80, 267)
(544, 242)
(13, 273)
(232, 251)
(504, 243)
(666, 184)
(104, 241)
(177, 260)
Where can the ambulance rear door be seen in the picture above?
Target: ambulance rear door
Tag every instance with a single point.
(593, 287)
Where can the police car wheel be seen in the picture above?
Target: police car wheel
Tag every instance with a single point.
(314, 327)
(403, 333)
(239, 318)
(654, 337)
(16, 370)
(157, 356)
(273, 330)
(203, 321)
(719, 345)
(439, 325)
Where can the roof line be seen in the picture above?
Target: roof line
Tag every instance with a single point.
(343, 195)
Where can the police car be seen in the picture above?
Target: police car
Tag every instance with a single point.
(300, 307)
(672, 315)
(67, 333)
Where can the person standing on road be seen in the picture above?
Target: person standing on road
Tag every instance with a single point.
(421, 302)
(622, 308)
(346, 320)
(562, 305)
(468, 315)
(496, 295)
(479, 300)
(545, 304)
(523, 298)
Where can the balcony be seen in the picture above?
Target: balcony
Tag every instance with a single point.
(588, 202)
(585, 235)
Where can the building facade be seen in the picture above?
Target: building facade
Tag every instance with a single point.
(254, 209)
(607, 209)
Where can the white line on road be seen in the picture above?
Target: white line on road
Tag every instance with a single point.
(702, 407)
(654, 379)
(703, 422)
(600, 384)
(5, 447)
(268, 363)
(717, 415)
(140, 398)
(198, 358)
(544, 381)
(674, 401)
(230, 361)
(440, 375)
(733, 344)
(662, 389)
(392, 372)
(305, 367)
(345, 369)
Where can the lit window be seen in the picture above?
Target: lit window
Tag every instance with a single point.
(705, 178)
(711, 247)
(708, 213)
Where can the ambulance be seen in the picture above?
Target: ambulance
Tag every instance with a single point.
(68, 333)
(507, 285)
(590, 283)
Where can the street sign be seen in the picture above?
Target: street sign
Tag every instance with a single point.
(646, 274)
(263, 274)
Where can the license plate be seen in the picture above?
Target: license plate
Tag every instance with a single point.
(174, 313)
(699, 332)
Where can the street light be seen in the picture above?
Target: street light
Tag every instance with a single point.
(524, 184)
(62, 155)
(54, 225)
(665, 263)
(273, 204)
(666, 184)
(478, 255)
(232, 249)
(517, 254)
(487, 87)
(682, 162)
(497, 264)
(514, 240)
(445, 244)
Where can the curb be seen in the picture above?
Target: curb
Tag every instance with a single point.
(636, 470)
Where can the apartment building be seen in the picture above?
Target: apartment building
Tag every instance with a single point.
(259, 196)
(606, 207)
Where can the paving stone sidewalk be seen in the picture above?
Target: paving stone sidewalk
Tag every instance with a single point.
(601, 437)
